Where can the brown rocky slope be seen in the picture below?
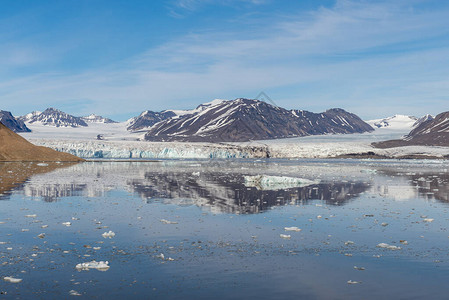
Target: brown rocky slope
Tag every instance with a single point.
(13, 147)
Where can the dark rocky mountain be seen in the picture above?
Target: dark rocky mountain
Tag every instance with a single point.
(430, 132)
(93, 118)
(147, 119)
(12, 123)
(246, 119)
(53, 117)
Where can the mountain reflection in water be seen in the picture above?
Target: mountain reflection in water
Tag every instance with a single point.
(220, 187)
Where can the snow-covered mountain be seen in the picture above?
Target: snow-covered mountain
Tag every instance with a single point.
(12, 123)
(147, 119)
(53, 117)
(428, 132)
(423, 119)
(396, 122)
(93, 118)
(246, 119)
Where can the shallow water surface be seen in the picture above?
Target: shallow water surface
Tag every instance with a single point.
(216, 229)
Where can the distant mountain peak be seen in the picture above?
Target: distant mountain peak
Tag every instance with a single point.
(396, 122)
(53, 117)
(429, 131)
(93, 118)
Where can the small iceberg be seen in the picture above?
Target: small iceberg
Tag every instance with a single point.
(74, 293)
(267, 182)
(12, 279)
(99, 265)
(294, 228)
(109, 234)
(285, 236)
(168, 222)
(389, 247)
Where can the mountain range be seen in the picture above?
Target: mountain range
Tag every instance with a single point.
(243, 120)
(429, 132)
(238, 120)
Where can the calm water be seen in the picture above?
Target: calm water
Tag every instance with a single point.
(220, 233)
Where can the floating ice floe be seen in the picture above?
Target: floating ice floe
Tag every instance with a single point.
(168, 222)
(109, 234)
(67, 224)
(31, 216)
(359, 268)
(428, 220)
(41, 235)
(74, 293)
(285, 236)
(99, 265)
(294, 228)
(349, 243)
(389, 247)
(266, 182)
(353, 282)
(162, 256)
(384, 224)
(12, 279)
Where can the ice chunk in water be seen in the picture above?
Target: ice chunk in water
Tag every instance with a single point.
(168, 222)
(12, 279)
(109, 234)
(293, 228)
(390, 247)
(99, 265)
(266, 182)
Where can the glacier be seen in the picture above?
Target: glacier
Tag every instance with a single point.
(294, 148)
(156, 150)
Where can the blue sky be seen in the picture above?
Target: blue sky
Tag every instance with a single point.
(118, 58)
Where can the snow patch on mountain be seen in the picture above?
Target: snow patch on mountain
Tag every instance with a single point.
(396, 122)
(93, 118)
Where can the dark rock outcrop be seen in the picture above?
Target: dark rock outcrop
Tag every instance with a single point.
(12, 123)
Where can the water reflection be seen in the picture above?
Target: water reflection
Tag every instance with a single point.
(221, 187)
(13, 175)
(227, 193)
(421, 183)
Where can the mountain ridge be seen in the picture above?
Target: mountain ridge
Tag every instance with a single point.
(429, 132)
(249, 119)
